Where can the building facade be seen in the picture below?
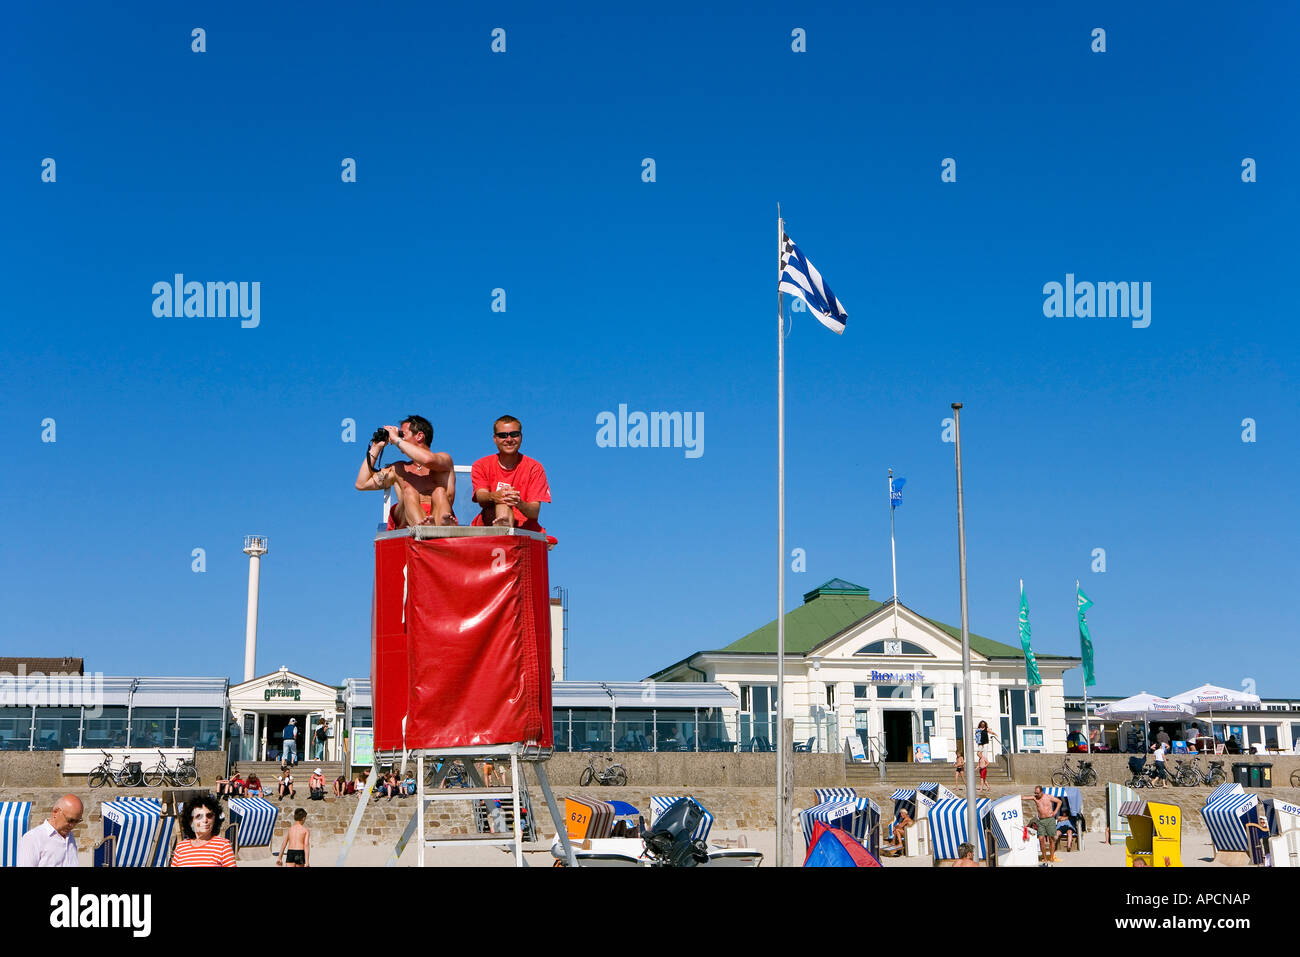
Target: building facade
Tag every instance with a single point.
(885, 675)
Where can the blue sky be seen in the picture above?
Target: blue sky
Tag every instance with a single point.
(523, 171)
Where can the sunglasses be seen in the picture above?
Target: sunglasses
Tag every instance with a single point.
(509, 435)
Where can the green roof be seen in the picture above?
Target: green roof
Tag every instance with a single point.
(835, 606)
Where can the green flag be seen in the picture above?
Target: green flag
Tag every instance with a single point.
(1031, 663)
(1085, 639)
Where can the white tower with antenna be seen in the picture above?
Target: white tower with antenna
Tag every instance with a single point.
(254, 547)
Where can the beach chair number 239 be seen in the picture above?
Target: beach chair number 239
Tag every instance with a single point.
(1011, 815)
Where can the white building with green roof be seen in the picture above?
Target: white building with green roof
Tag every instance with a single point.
(847, 673)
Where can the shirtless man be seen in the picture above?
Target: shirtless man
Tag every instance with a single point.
(1048, 807)
(426, 485)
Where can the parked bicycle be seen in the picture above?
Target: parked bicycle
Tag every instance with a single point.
(1146, 775)
(615, 775)
(1068, 776)
(1295, 778)
(127, 776)
(182, 776)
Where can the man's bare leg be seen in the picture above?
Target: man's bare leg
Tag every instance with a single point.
(408, 500)
(441, 512)
(505, 516)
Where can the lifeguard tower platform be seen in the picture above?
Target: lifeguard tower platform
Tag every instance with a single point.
(461, 672)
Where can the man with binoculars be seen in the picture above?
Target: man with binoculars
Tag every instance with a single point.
(426, 485)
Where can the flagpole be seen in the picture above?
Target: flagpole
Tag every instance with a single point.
(1087, 726)
(968, 732)
(781, 823)
(893, 556)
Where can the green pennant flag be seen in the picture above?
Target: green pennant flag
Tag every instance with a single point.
(1031, 663)
(1085, 639)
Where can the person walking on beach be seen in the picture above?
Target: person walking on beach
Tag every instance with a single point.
(296, 849)
(1048, 807)
(984, 773)
(290, 753)
(960, 771)
(1159, 749)
(50, 843)
(982, 738)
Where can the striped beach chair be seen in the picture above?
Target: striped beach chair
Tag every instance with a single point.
(1226, 817)
(660, 804)
(137, 833)
(842, 808)
(1223, 790)
(1117, 826)
(255, 819)
(14, 817)
(948, 828)
(1016, 846)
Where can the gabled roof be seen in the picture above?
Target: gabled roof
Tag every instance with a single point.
(831, 609)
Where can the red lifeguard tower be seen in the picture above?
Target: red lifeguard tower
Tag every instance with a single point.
(461, 672)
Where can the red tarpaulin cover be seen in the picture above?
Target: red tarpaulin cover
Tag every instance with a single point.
(471, 663)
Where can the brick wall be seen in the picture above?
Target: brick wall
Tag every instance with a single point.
(41, 769)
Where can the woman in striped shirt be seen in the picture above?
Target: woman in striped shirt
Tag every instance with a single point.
(200, 846)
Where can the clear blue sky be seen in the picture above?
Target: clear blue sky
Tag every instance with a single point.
(522, 171)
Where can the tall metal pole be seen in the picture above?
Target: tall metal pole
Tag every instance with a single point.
(1087, 726)
(781, 823)
(893, 556)
(968, 732)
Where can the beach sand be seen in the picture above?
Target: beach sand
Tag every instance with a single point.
(1196, 852)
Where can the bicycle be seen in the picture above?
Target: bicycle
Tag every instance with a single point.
(127, 776)
(615, 775)
(181, 776)
(1195, 777)
(1295, 779)
(1068, 776)
(1144, 775)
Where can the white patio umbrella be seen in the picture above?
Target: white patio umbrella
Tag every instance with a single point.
(1144, 706)
(1207, 697)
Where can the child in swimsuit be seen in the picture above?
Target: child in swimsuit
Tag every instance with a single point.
(296, 849)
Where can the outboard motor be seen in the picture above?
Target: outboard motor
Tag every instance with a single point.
(670, 843)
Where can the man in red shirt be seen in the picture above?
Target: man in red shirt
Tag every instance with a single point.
(509, 487)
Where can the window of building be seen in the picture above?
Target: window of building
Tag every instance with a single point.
(57, 728)
(830, 696)
(956, 698)
(907, 649)
(153, 728)
(200, 728)
(928, 724)
(108, 730)
(15, 729)
(674, 729)
(591, 728)
(757, 710)
(861, 693)
(1295, 735)
(901, 692)
(362, 717)
(927, 692)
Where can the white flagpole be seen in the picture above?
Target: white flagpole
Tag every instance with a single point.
(781, 823)
(1087, 726)
(893, 556)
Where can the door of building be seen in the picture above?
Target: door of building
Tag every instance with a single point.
(862, 729)
(898, 735)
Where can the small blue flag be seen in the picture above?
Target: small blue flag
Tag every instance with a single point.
(896, 492)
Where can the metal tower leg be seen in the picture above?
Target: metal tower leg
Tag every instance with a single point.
(355, 825)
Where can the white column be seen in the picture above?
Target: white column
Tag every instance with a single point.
(250, 630)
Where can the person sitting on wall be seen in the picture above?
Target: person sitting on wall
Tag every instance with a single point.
(316, 784)
(253, 786)
(426, 485)
(237, 785)
(341, 786)
(286, 782)
(509, 487)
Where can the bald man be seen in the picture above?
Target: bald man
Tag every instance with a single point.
(50, 843)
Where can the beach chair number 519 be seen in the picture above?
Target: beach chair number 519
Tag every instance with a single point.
(1168, 819)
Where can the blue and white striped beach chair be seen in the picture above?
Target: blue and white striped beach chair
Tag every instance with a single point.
(660, 804)
(136, 834)
(1117, 826)
(948, 828)
(1226, 817)
(14, 817)
(256, 819)
(842, 808)
(1223, 790)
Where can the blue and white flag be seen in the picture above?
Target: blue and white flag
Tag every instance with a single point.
(896, 492)
(800, 278)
